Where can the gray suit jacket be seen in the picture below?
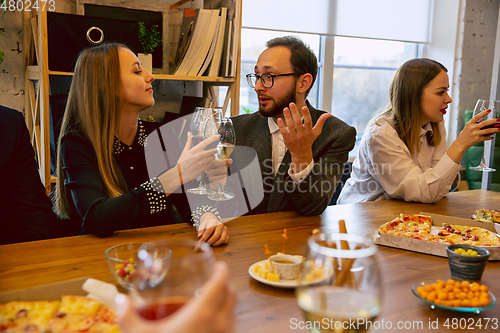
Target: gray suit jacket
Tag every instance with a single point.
(313, 194)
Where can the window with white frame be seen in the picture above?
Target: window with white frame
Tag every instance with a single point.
(359, 44)
(362, 72)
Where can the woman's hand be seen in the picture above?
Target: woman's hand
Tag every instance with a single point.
(472, 133)
(217, 173)
(194, 161)
(212, 231)
(209, 312)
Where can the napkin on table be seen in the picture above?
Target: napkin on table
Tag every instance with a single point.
(101, 291)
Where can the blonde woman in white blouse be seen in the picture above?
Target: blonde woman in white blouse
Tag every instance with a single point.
(403, 151)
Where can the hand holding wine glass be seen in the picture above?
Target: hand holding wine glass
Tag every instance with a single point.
(476, 130)
(211, 311)
(169, 274)
(194, 161)
(204, 124)
(486, 114)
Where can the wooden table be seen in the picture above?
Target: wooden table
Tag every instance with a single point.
(262, 308)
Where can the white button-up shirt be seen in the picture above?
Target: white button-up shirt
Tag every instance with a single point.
(384, 165)
(279, 151)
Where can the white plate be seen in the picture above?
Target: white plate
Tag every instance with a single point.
(281, 283)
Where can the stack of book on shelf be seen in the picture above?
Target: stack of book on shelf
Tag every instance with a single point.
(206, 44)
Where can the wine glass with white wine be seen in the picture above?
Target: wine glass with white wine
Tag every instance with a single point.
(482, 105)
(349, 297)
(224, 149)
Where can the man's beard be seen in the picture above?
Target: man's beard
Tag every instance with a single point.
(279, 105)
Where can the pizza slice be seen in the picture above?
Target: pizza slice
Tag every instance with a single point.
(395, 227)
(418, 226)
(27, 316)
(487, 215)
(410, 226)
(82, 314)
(459, 234)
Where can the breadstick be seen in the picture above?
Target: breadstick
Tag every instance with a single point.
(332, 246)
(343, 230)
(346, 270)
(345, 246)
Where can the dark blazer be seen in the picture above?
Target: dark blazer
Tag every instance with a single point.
(25, 210)
(313, 194)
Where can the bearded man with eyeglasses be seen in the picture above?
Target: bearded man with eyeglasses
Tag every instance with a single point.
(301, 150)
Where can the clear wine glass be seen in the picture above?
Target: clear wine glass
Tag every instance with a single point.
(168, 274)
(349, 290)
(482, 105)
(224, 149)
(204, 124)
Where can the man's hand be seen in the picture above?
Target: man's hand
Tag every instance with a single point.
(299, 136)
(212, 231)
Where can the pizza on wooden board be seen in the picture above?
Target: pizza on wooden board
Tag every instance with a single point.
(420, 227)
(70, 314)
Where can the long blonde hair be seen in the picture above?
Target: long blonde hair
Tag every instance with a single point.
(93, 108)
(405, 99)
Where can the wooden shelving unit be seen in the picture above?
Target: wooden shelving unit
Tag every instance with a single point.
(37, 74)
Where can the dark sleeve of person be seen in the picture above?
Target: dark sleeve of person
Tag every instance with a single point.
(313, 194)
(101, 214)
(30, 210)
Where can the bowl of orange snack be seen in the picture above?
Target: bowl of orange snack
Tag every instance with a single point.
(455, 295)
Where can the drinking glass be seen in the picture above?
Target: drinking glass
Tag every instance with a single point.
(350, 291)
(224, 149)
(204, 124)
(482, 105)
(168, 274)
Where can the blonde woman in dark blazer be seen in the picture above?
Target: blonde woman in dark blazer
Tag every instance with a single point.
(103, 183)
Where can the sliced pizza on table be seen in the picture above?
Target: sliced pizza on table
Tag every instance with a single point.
(420, 227)
(459, 234)
(71, 314)
(27, 316)
(410, 226)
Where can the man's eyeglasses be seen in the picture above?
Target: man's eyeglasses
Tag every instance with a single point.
(267, 80)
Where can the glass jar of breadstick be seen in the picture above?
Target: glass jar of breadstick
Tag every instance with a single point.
(340, 282)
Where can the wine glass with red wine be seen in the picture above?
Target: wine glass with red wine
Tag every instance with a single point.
(168, 274)
(482, 105)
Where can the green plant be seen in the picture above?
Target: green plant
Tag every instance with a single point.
(247, 110)
(149, 38)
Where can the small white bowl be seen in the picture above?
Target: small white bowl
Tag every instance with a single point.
(287, 266)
